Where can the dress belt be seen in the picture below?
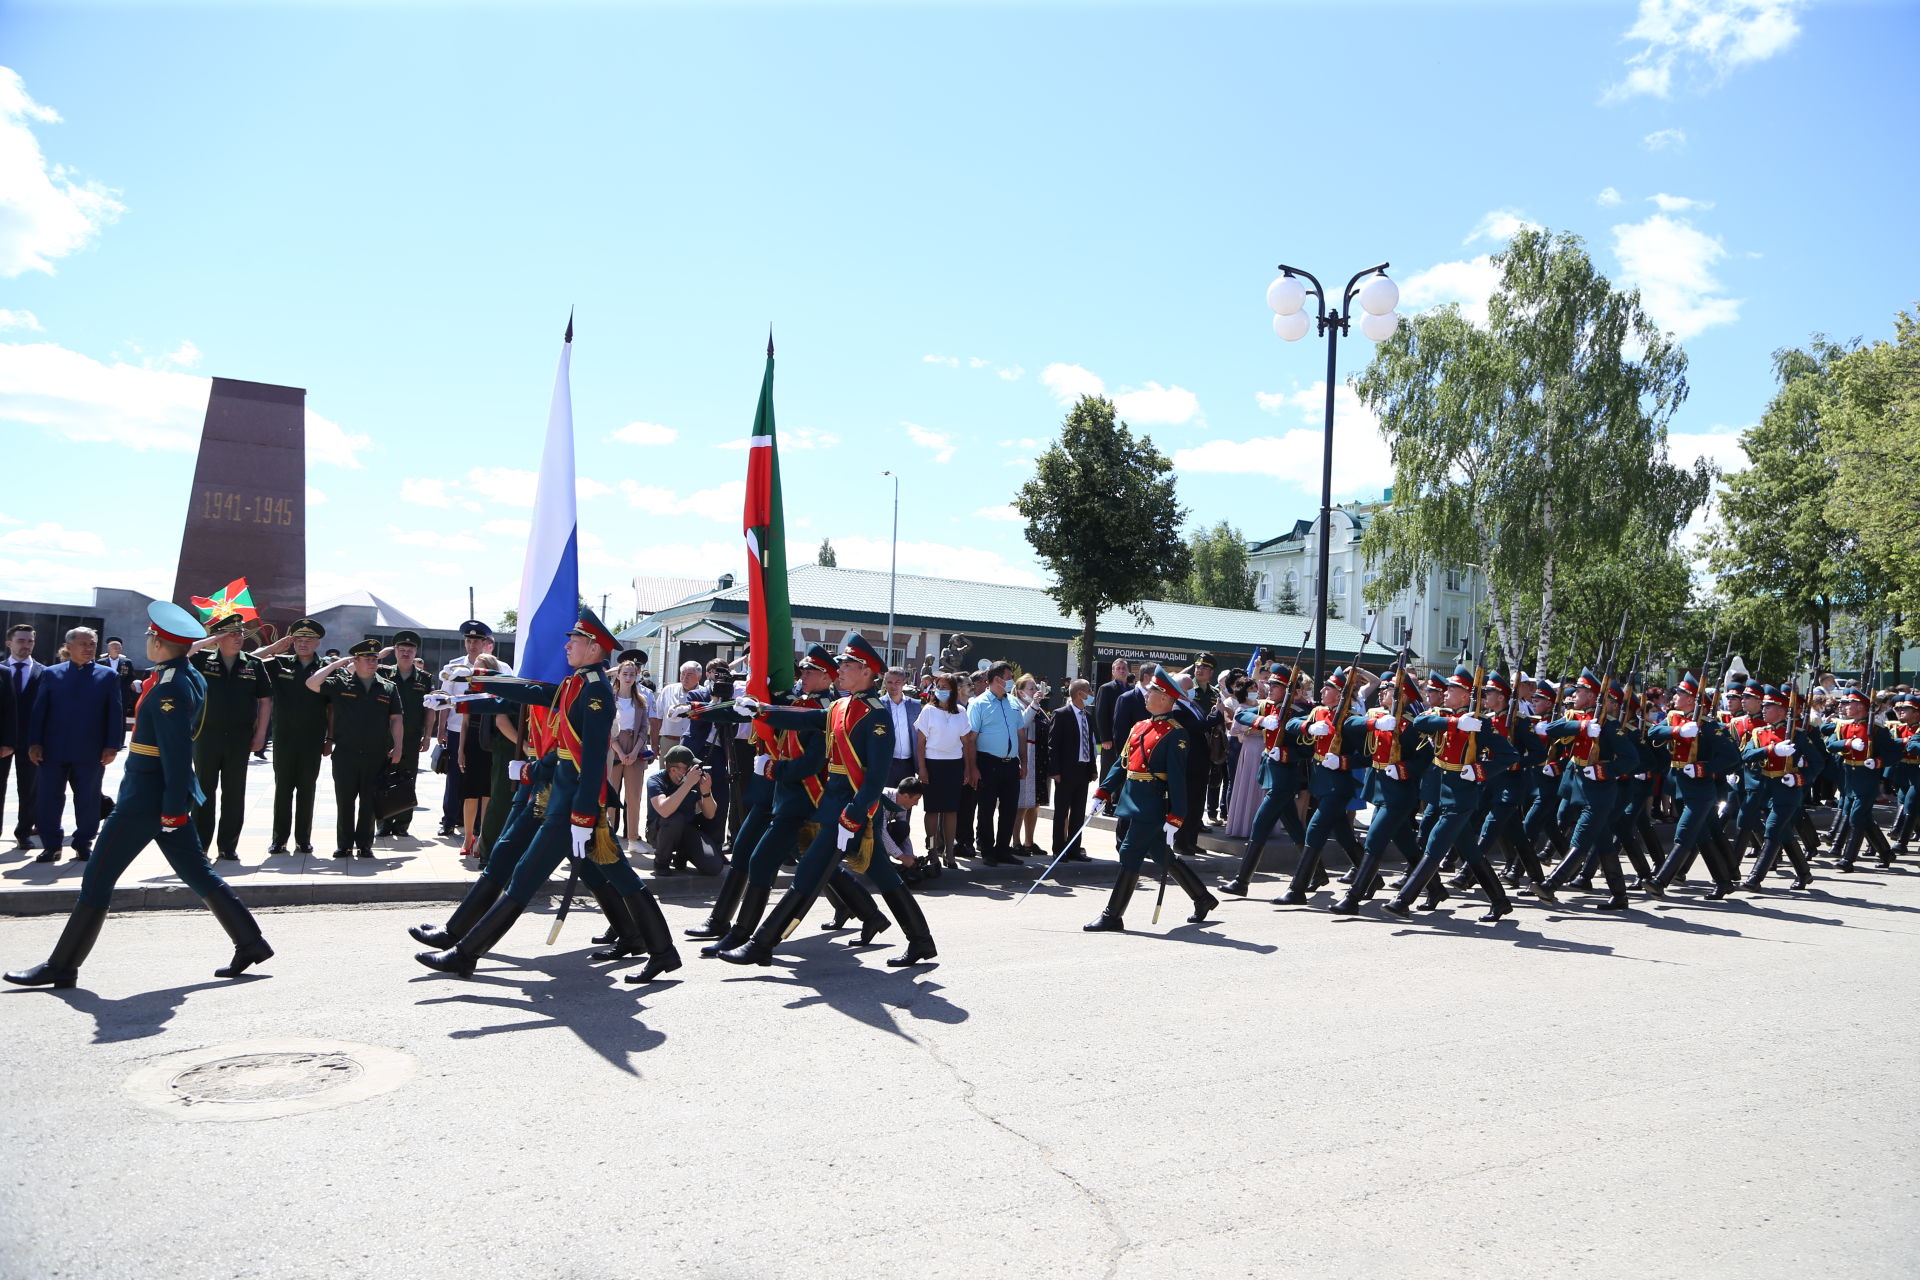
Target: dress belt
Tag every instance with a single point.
(1134, 775)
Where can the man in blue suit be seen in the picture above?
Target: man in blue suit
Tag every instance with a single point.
(75, 729)
(22, 680)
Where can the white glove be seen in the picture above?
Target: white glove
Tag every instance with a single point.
(750, 705)
(1591, 773)
(1386, 724)
(434, 701)
(1689, 730)
(1319, 729)
(1468, 724)
(1539, 728)
(1097, 808)
(516, 769)
(1330, 761)
(1870, 763)
(1273, 753)
(1784, 749)
(1169, 831)
(580, 837)
(1270, 723)
(1593, 728)
(845, 836)
(763, 765)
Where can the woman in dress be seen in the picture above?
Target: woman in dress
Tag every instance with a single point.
(476, 768)
(1034, 722)
(940, 752)
(1245, 799)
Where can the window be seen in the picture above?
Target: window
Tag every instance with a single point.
(1339, 582)
(1453, 633)
(1266, 583)
(1402, 633)
(1293, 581)
(1453, 582)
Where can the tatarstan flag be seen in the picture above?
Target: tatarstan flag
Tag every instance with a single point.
(769, 615)
(235, 597)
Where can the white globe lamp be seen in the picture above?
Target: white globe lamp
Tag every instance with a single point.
(1292, 328)
(1379, 296)
(1286, 295)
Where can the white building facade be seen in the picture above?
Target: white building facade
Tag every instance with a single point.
(1433, 618)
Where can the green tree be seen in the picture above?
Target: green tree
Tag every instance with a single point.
(1101, 512)
(1217, 572)
(825, 557)
(1872, 429)
(509, 621)
(1287, 599)
(1523, 446)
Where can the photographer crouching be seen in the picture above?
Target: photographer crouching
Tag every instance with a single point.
(684, 807)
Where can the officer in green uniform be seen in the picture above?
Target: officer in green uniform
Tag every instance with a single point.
(299, 728)
(157, 791)
(414, 683)
(364, 731)
(234, 727)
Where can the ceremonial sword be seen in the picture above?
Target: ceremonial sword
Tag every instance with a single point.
(1056, 858)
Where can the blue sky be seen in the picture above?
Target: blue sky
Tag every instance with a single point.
(955, 218)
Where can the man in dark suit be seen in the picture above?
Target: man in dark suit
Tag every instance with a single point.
(23, 686)
(76, 728)
(1104, 702)
(1070, 757)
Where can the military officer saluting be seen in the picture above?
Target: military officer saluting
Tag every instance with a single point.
(299, 729)
(414, 683)
(1149, 777)
(363, 735)
(157, 791)
(239, 700)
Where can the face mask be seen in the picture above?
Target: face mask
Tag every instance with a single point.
(945, 695)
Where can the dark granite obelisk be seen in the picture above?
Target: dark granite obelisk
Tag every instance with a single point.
(247, 514)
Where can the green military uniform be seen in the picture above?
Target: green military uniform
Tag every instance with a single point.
(299, 726)
(235, 689)
(413, 687)
(362, 710)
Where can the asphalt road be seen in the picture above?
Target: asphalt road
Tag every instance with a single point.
(1690, 1091)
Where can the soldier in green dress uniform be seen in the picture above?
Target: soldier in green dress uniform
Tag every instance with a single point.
(233, 727)
(363, 737)
(299, 728)
(414, 682)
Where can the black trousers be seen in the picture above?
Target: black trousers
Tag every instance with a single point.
(899, 768)
(356, 790)
(741, 766)
(26, 792)
(999, 792)
(452, 813)
(220, 763)
(1070, 804)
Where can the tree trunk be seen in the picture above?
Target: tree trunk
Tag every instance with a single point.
(1088, 620)
(1546, 613)
(1503, 627)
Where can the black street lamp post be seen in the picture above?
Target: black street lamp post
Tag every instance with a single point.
(1287, 298)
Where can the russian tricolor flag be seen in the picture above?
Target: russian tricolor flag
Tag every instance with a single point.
(550, 583)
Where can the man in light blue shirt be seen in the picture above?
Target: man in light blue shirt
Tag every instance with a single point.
(994, 720)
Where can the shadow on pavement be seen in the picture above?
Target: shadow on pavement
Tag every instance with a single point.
(138, 1016)
(837, 978)
(569, 994)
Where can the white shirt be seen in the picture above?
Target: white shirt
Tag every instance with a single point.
(902, 712)
(943, 731)
(626, 711)
(1086, 734)
(673, 707)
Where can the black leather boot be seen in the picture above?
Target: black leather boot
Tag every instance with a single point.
(1249, 864)
(1112, 918)
(758, 949)
(1802, 872)
(842, 909)
(62, 968)
(753, 905)
(1304, 882)
(720, 919)
(249, 948)
(486, 933)
(484, 893)
(1878, 839)
(1365, 880)
(651, 922)
(914, 924)
(1847, 848)
(624, 936)
(1189, 880)
(1498, 903)
(1762, 868)
(860, 904)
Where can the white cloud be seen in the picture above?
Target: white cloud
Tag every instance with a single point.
(941, 444)
(184, 356)
(1005, 513)
(1069, 382)
(1607, 198)
(1663, 139)
(1671, 264)
(424, 492)
(328, 442)
(315, 497)
(55, 538)
(585, 487)
(20, 320)
(789, 438)
(1720, 446)
(645, 433)
(1154, 404)
(1705, 40)
(508, 486)
(1678, 204)
(976, 362)
(952, 362)
(508, 528)
(721, 502)
(45, 213)
(1361, 461)
(76, 396)
(435, 539)
(1011, 373)
(6, 519)
(1500, 225)
(935, 559)
(1470, 284)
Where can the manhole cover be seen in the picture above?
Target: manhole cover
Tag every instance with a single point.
(265, 1077)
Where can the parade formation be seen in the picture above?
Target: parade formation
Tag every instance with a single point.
(1455, 774)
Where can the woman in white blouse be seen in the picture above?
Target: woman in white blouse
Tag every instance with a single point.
(943, 752)
(631, 750)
